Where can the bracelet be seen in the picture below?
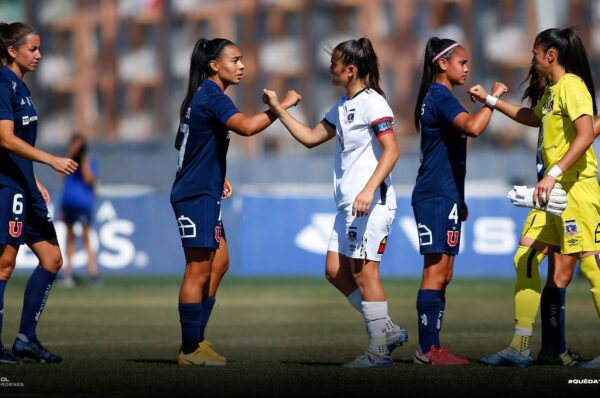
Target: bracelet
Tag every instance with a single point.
(555, 171)
(490, 101)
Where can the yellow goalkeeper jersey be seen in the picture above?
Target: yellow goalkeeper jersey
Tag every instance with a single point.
(561, 104)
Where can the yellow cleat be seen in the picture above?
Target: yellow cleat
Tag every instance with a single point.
(204, 355)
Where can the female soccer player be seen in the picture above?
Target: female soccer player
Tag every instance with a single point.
(24, 217)
(207, 115)
(561, 92)
(76, 206)
(366, 152)
(438, 197)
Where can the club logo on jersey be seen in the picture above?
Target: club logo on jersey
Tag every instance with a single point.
(382, 126)
(571, 227)
(425, 236)
(350, 117)
(218, 233)
(187, 228)
(453, 238)
(352, 235)
(14, 87)
(382, 245)
(15, 228)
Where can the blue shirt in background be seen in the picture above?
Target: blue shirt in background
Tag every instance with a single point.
(76, 193)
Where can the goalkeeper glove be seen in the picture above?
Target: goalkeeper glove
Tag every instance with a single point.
(521, 196)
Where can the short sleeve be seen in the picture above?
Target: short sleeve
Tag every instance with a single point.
(575, 99)
(6, 108)
(449, 107)
(331, 117)
(379, 115)
(95, 167)
(222, 108)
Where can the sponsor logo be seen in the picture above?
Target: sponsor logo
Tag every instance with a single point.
(29, 119)
(22, 101)
(573, 242)
(571, 227)
(15, 228)
(187, 228)
(382, 126)
(425, 237)
(453, 238)
(382, 245)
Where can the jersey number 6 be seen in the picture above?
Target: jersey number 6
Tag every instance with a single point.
(17, 204)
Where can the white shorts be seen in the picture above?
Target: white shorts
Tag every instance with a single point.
(361, 237)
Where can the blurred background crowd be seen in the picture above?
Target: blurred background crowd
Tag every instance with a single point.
(116, 71)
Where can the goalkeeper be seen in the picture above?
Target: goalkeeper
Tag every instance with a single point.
(562, 107)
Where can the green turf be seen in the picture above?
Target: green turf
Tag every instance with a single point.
(282, 337)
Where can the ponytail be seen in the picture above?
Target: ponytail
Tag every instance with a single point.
(361, 54)
(435, 49)
(12, 35)
(204, 51)
(571, 54)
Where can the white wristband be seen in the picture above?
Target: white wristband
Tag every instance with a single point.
(490, 101)
(555, 171)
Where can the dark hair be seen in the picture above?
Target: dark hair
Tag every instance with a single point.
(535, 90)
(434, 47)
(204, 51)
(82, 148)
(12, 35)
(361, 54)
(571, 54)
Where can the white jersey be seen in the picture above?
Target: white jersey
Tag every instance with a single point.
(358, 123)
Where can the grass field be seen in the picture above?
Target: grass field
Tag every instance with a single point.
(282, 337)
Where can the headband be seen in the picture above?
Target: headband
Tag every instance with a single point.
(450, 47)
(22, 39)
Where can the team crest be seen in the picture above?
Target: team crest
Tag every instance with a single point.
(382, 245)
(550, 105)
(352, 235)
(571, 227)
(453, 238)
(218, 233)
(14, 87)
(15, 228)
(350, 118)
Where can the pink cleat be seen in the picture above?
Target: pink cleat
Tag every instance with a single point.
(438, 356)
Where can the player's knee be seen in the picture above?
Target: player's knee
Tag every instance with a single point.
(7, 267)
(52, 263)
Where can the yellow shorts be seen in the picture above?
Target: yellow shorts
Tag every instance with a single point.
(578, 228)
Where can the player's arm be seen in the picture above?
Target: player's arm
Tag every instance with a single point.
(86, 171)
(43, 190)
(516, 112)
(309, 137)
(12, 143)
(596, 127)
(389, 156)
(476, 123)
(251, 125)
(584, 138)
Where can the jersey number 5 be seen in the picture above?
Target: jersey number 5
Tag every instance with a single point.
(17, 204)
(454, 214)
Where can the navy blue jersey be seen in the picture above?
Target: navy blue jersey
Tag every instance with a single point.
(16, 105)
(203, 140)
(443, 148)
(76, 193)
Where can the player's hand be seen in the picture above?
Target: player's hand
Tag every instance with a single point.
(499, 89)
(362, 203)
(464, 212)
(541, 193)
(291, 99)
(43, 191)
(64, 165)
(227, 190)
(478, 93)
(270, 98)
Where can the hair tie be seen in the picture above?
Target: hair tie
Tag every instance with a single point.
(450, 47)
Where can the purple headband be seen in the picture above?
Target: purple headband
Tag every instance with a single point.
(450, 47)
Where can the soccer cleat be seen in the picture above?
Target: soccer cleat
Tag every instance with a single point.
(7, 358)
(438, 356)
(396, 338)
(204, 355)
(593, 364)
(567, 358)
(508, 357)
(24, 348)
(370, 360)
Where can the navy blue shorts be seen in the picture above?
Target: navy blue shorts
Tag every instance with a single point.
(24, 218)
(199, 222)
(439, 225)
(72, 215)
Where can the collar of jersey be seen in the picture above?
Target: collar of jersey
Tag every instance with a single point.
(359, 93)
(215, 85)
(11, 74)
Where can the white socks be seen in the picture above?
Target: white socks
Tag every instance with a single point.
(375, 314)
(355, 300)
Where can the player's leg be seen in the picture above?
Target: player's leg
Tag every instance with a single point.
(590, 267)
(8, 257)
(69, 253)
(92, 264)
(40, 236)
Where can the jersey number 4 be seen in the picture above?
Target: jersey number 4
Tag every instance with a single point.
(454, 214)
